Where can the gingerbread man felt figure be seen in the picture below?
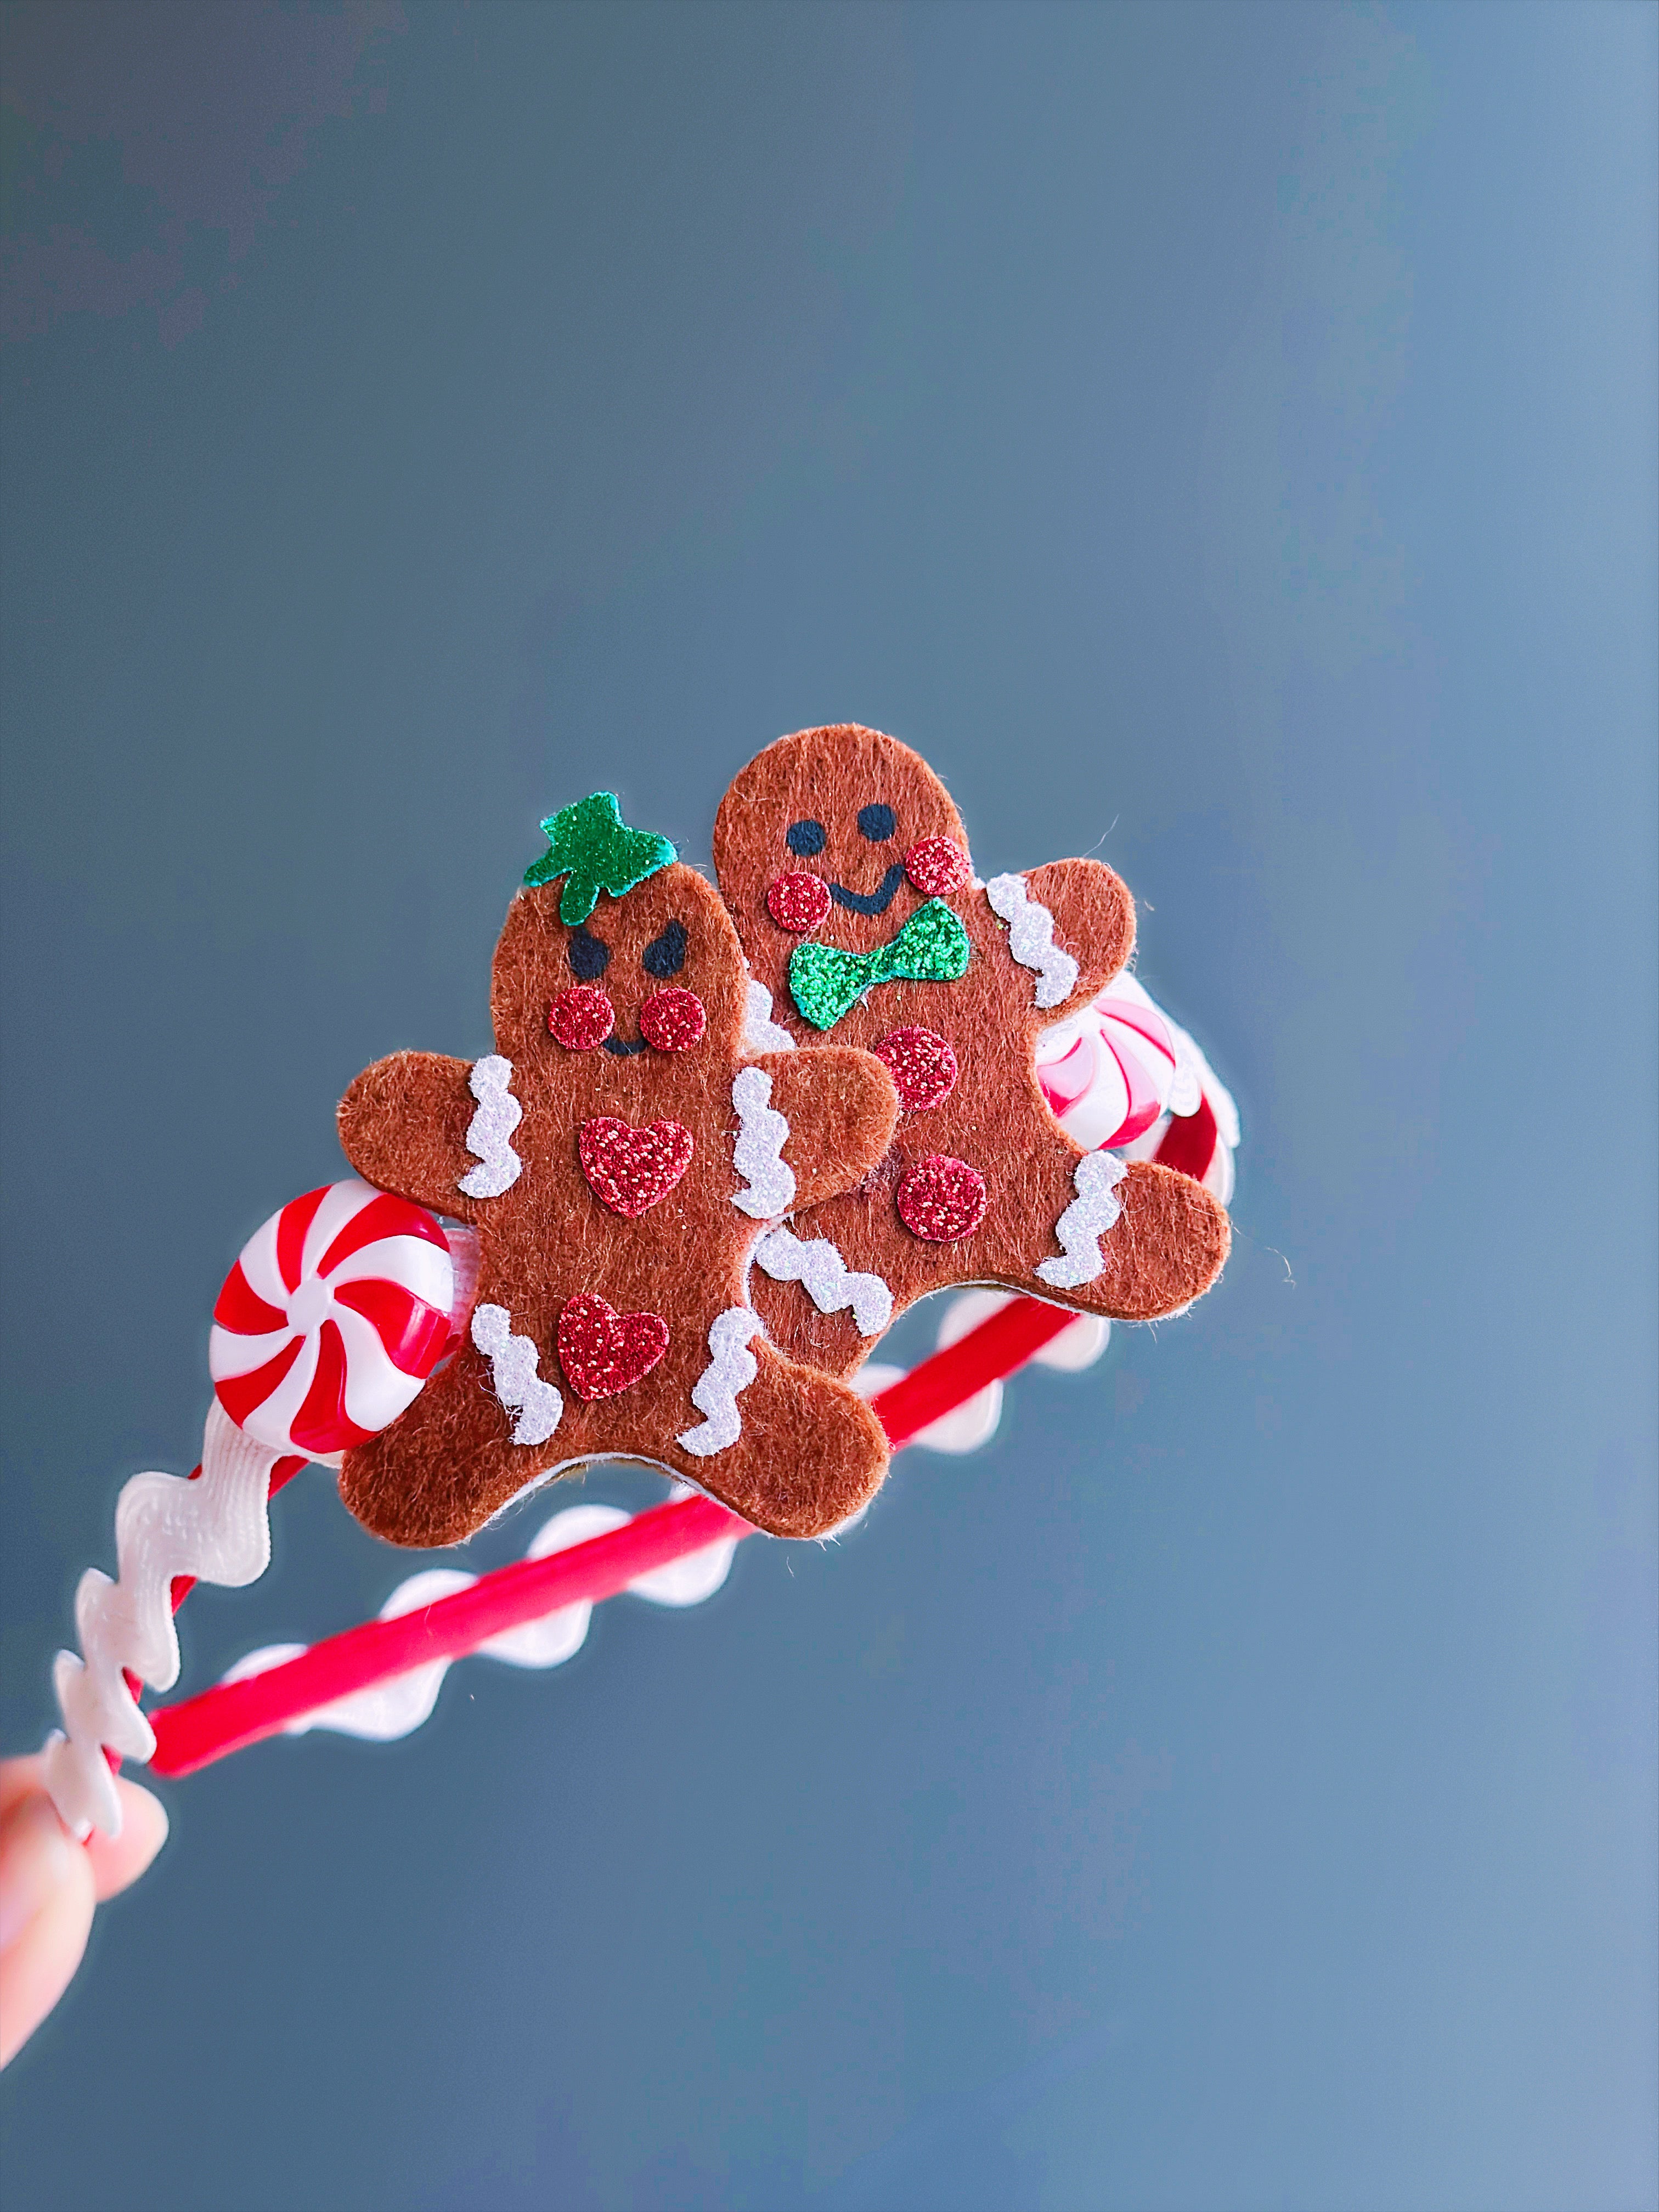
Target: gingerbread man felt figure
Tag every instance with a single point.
(619, 1154)
(846, 868)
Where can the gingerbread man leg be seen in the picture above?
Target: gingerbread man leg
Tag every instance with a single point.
(447, 1464)
(810, 1455)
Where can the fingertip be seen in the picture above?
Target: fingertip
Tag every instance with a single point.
(46, 1914)
(117, 1861)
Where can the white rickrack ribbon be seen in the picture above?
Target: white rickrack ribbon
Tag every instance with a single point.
(215, 1529)
(396, 1707)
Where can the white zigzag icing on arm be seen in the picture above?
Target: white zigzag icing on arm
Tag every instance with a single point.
(498, 1116)
(732, 1368)
(214, 1528)
(513, 1370)
(758, 1152)
(1086, 1221)
(787, 1259)
(760, 1032)
(1031, 938)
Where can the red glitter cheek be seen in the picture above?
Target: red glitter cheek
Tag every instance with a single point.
(935, 865)
(580, 1018)
(673, 1021)
(797, 902)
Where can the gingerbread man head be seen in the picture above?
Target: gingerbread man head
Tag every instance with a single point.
(847, 871)
(619, 1154)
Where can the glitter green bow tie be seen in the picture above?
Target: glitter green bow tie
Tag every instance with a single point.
(826, 983)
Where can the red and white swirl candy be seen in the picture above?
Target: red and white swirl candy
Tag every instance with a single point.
(1108, 1072)
(334, 1316)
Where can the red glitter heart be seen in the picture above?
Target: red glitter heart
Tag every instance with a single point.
(942, 1198)
(628, 1170)
(797, 902)
(922, 1066)
(604, 1353)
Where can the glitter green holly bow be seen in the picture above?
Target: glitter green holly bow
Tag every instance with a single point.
(826, 983)
(594, 848)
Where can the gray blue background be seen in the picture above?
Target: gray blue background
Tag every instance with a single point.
(1220, 437)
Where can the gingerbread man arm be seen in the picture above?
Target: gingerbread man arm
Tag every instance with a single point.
(1094, 919)
(841, 1110)
(404, 1125)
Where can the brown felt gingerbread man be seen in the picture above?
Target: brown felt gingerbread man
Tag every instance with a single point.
(846, 868)
(619, 1153)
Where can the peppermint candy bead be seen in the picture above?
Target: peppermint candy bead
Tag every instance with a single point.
(1109, 1073)
(332, 1318)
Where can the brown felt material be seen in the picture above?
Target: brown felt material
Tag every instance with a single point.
(809, 1453)
(1171, 1238)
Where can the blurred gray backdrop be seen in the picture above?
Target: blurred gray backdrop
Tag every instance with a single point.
(1221, 437)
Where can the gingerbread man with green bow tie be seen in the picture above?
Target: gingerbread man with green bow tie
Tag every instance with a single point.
(846, 868)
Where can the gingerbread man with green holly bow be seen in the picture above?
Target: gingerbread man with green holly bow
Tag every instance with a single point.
(846, 868)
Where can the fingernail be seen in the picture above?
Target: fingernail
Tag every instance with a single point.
(36, 1859)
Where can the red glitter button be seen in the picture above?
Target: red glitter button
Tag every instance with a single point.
(673, 1021)
(604, 1352)
(797, 902)
(922, 1066)
(581, 1018)
(935, 865)
(942, 1200)
(628, 1170)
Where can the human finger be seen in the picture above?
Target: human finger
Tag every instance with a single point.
(47, 1897)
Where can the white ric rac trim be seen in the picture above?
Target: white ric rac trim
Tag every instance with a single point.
(498, 1116)
(395, 1708)
(214, 1528)
(732, 1368)
(787, 1259)
(1086, 1221)
(1031, 939)
(758, 1153)
(513, 1370)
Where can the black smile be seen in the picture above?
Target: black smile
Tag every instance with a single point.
(875, 901)
(621, 1047)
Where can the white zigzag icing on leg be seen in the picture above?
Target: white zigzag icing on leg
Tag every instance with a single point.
(1086, 1221)
(1031, 938)
(498, 1116)
(787, 1259)
(214, 1528)
(732, 1368)
(513, 1370)
(758, 1152)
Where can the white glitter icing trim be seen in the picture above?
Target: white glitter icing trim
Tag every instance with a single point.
(1085, 1220)
(214, 1528)
(1031, 939)
(787, 1259)
(758, 1152)
(760, 1032)
(732, 1368)
(396, 1708)
(513, 1370)
(498, 1116)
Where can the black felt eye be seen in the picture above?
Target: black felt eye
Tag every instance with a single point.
(806, 838)
(877, 823)
(666, 954)
(588, 957)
